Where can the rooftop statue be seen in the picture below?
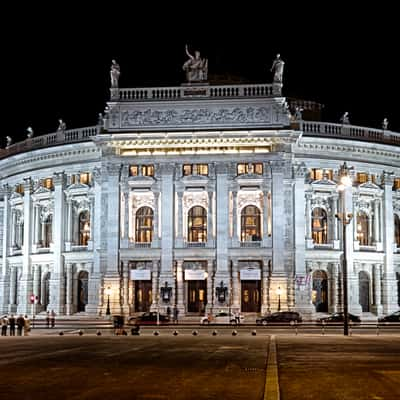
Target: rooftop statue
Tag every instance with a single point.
(29, 134)
(61, 125)
(385, 123)
(344, 119)
(277, 69)
(9, 141)
(196, 68)
(115, 72)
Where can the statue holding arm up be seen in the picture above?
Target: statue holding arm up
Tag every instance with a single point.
(196, 68)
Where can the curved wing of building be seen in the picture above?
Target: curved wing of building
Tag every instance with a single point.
(201, 198)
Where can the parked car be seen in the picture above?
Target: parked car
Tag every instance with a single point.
(221, 318)
(338, 317)
(280, 316)
(393, 317)
(149, 318)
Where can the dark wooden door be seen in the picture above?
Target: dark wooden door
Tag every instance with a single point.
(364, 298)
(251, 296)
(197, 296)
(143, 296)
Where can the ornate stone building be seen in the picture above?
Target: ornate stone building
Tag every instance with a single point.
(201, 197)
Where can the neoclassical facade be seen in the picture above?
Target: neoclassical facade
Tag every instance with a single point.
(201, 197)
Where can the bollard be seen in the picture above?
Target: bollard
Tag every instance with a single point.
(323, 327)
(195, 333)
(377, 329)
(80, 332)
(61, 333)
(98, 333)
(350, 328)
(234, 333)
(214, 332)
(175, 333)
(253, 332)
(156, 333)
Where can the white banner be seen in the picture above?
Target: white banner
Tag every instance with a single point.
(250, 274)
(140, 275)
(194, 275)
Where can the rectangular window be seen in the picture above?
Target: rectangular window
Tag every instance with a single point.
(187, 170)
(258, 168)
(202, 169)
(148, 170)
(133, 170)
(362, 177)
(48, 183)
(317, 174)
(396, 184)
(19, 188)
(242, 169)
(85, 178)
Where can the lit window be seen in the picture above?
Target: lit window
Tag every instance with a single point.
(397, 230)
(19, 188)
(363, 229)
(133, 170)
(84, 228)
(48, 183)
(242, 169)
(319, 226)
(148, 170)
(85, 178)
(258, 168)
(144, 225)
(187, 170)
(197, 224)
(396, 184)
(202, 169)
(250, 224)
(362, 177)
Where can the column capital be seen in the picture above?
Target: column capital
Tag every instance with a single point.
(387, 178)
(300, 170)
(113, 169)
(59, 178)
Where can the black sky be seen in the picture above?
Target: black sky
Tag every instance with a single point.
(57, 60)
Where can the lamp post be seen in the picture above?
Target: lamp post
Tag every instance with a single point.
(279, 292)
(345, 218)
(108, 293)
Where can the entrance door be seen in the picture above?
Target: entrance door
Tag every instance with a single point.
(320, 291)
(364, 300)
(398, 287)
(82, 290)
(197, 296)
(143, 296)
(251, 299)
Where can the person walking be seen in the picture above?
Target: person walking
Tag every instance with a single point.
(20, 324)
(11, 322)
(52, 318)
(175, 313)
(27, 325)
(4, 323)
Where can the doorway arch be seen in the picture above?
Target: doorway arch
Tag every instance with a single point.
(320, 291)
(364, 291)
(82, 290)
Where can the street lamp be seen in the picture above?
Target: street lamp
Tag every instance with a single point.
(345, 218)
(279, 292)
(108, 292)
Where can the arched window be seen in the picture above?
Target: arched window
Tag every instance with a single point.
(397, 230)
(144, 225)
(363, 229)
(319, 226)
(197, 224)
(48, 230)
(250, 224)
(84, 228)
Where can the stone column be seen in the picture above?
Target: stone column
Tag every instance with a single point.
(377, 238)
(309, 240)
(210, 217)
(12, 306)
(377, 306)
(25, 283)
(180, 287)
(5, 276)
(13, 228)
(235, 284)
(57, 277)
(156, 241)
(179, 228)
(68, 299)
(210, 291)
(125, 222)
(235, 237)
(335, 237)
(36, 287)
(389, 290)
(332, 287)
(265, 307)
(126, 289)
(154, 288)
(265, 218)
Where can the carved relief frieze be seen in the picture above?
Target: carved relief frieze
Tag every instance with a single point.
(247, 197)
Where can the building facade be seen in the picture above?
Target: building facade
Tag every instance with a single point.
(201, 197)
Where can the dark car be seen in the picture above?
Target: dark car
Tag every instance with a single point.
(280, 316)
(394, 317)
(339, 317)
(150, 318)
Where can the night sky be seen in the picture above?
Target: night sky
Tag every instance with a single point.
(57, 60)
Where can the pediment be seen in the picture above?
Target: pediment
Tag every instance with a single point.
(41, 190)
(369, 186)
(323, 182)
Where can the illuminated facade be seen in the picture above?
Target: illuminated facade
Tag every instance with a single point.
(200, 197)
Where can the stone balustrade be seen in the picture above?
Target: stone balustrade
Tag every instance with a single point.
(190, 92)
(52, 139)
(341, 131)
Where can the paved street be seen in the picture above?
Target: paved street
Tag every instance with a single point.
(198, 367)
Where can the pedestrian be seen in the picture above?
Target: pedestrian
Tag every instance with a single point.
(27, 325)
(11, 322)
(20, 324)
(48, 319)
(169, 312)
(237, 317)
(4, 323)
(52, 318)
(175, 313)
